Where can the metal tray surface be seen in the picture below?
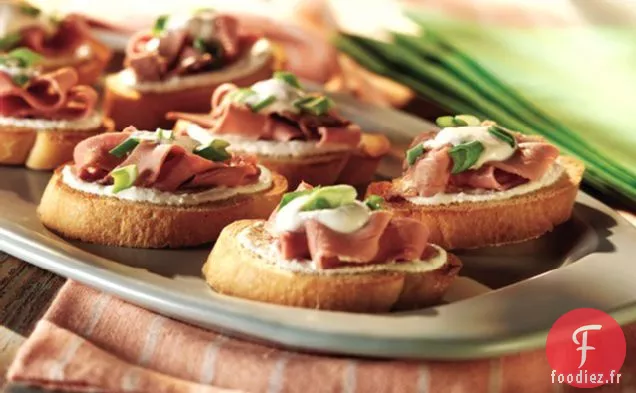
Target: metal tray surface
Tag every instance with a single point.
(504, 302)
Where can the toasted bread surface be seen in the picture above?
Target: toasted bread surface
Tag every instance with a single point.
(497, 222)
(43, 149)
(111, 221)
(235, 270)
(147, 110)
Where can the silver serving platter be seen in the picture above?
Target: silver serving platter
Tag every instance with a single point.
(504, 302)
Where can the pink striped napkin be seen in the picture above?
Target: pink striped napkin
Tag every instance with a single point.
(92, 342)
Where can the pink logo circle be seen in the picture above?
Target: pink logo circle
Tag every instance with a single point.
(586, 348)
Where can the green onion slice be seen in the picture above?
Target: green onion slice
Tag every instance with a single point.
(330, 197)
(164, 134)
(263, 104)
(465, 155)
(503, 135)
(288, 78)
(125, 147)
(21, 79)
(290, 196)
(374, 202)
(124, 177)
(317, 106)
(214, 151)
(414, 153)
(457, 121)
(22, 57)
(160, 24)
(468, 120)
(9, 41)
(240, 95)
(30, 10)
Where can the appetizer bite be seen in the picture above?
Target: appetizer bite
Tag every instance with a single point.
(61, 41)
(324, 249)
(177, 65)
(43, 115)
(295, 133)
(477, 184)
(155, 189)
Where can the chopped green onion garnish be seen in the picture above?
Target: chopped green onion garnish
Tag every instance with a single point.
(28, 9)
(330, 197)
(503, 135)
(125, 147)
(263, 104)
(465, 155)
(160, 24)
(240, 95)
(9, 41)
(199, 45)
(288, 78)
(21, 79)
(164, 134)
(414, 153)
(468, 120)
(23, 57)
(317, 106)
(290, 196)
(302, 101)
(374, 202)
(214, 151)
(124, 177)
(457, 121)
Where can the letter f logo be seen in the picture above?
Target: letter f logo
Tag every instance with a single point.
(583, 344)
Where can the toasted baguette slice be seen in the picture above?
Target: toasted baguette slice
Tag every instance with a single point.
(147, 110)
(492, 223)
(43, 149)
(89, 68)
(111, 221)
(235, 270)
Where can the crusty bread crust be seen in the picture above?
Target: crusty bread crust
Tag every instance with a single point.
(234, 270)
(147, 110)
(43, 149)
(492, 223)
(90, 68)
(111, 221)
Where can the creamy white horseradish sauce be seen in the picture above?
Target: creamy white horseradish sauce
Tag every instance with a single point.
(251, 239)
(267, 148)
(494, 148)
(248, 64)
(347, 218)
(549, 178)
(284, 93)
(92, 121)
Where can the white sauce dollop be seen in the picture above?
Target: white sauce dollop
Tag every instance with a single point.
(345, 219)
(270, 255)
(494, 149)
(13, 20)
(151, 195)
(284, 93)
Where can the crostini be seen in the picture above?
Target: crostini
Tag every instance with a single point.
(43, 115)
(298, 134)
(61, 41)
(154, 190)
(177, 65)
(323, 249)
(477, 184)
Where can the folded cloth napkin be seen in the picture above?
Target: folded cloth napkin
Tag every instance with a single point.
(89, 341)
